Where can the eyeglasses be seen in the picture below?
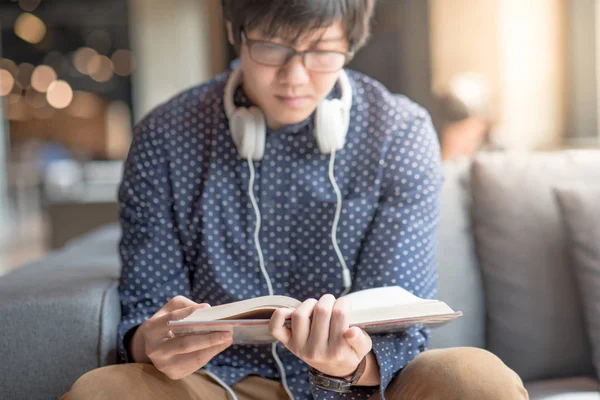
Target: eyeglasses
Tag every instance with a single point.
(276, 55)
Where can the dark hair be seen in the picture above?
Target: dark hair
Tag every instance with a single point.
(291, 19)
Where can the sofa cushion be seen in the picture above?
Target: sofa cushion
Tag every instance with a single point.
(459, 277)
(577, 388)
(59, 318)
(580, 208)
(534, 318)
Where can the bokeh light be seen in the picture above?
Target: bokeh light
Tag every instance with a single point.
(30, 28)
(93, 65)
(100, 68)
(9, 65)
(29, 5)
(6, 82)
(59, 94)
(42, 77)
(123, 62)
(83, 57)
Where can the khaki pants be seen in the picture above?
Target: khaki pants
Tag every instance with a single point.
(462, 373)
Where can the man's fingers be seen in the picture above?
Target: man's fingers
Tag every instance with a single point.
(192, 343)
(301, 323)
(277, 325)
(160, 323)
(175, 303)
(340, 319)
(359, 340)
(321, 320)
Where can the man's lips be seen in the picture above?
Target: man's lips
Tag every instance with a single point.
(293, 101)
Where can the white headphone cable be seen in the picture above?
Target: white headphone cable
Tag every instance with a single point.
(261, 260)
(345, 271)
(281, 370)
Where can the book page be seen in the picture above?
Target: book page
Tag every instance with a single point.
(384, 297)
(256, 308)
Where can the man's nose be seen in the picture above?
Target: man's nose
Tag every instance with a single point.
(294, 72)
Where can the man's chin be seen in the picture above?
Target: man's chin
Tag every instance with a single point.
(290, 119)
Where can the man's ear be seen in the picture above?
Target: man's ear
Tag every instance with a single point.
(230, 33)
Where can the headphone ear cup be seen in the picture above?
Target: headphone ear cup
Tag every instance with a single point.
(241, 125)
(260, 132)
(331, 125)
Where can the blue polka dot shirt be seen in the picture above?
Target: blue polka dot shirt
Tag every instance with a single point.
(188, 222)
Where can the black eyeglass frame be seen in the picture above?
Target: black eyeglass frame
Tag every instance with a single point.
(293, 53)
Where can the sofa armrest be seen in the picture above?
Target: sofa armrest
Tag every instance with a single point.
(59, 318)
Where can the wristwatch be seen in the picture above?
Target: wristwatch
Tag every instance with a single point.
(336, 383)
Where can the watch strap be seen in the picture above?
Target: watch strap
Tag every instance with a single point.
(336, 383)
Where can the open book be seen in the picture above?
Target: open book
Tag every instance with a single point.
(378, 310)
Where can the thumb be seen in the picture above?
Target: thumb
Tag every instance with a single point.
(176, 303)
(197, 307)
(359, 340)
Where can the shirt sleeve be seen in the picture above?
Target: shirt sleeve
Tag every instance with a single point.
(153, 267)
(400, 247)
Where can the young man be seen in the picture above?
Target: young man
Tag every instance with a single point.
(286, 176)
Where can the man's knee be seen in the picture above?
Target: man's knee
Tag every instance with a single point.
(111, 382)
(457, 373)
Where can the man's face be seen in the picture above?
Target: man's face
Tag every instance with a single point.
(290, 93)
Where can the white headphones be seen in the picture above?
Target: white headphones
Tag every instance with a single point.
(248, 126)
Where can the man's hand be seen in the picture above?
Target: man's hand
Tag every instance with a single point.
(176, 357)
(320, 335)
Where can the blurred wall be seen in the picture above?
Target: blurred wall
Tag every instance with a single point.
(533, 67)
(583, 123)
(519, 46)
(218, 41)
(172, 45)
(464, 38)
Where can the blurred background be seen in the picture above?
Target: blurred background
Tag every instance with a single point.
(75, 76)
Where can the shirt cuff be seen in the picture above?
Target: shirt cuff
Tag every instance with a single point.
(395, 350)
(126, 330)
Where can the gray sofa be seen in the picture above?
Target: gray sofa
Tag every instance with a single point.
(503, 262)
